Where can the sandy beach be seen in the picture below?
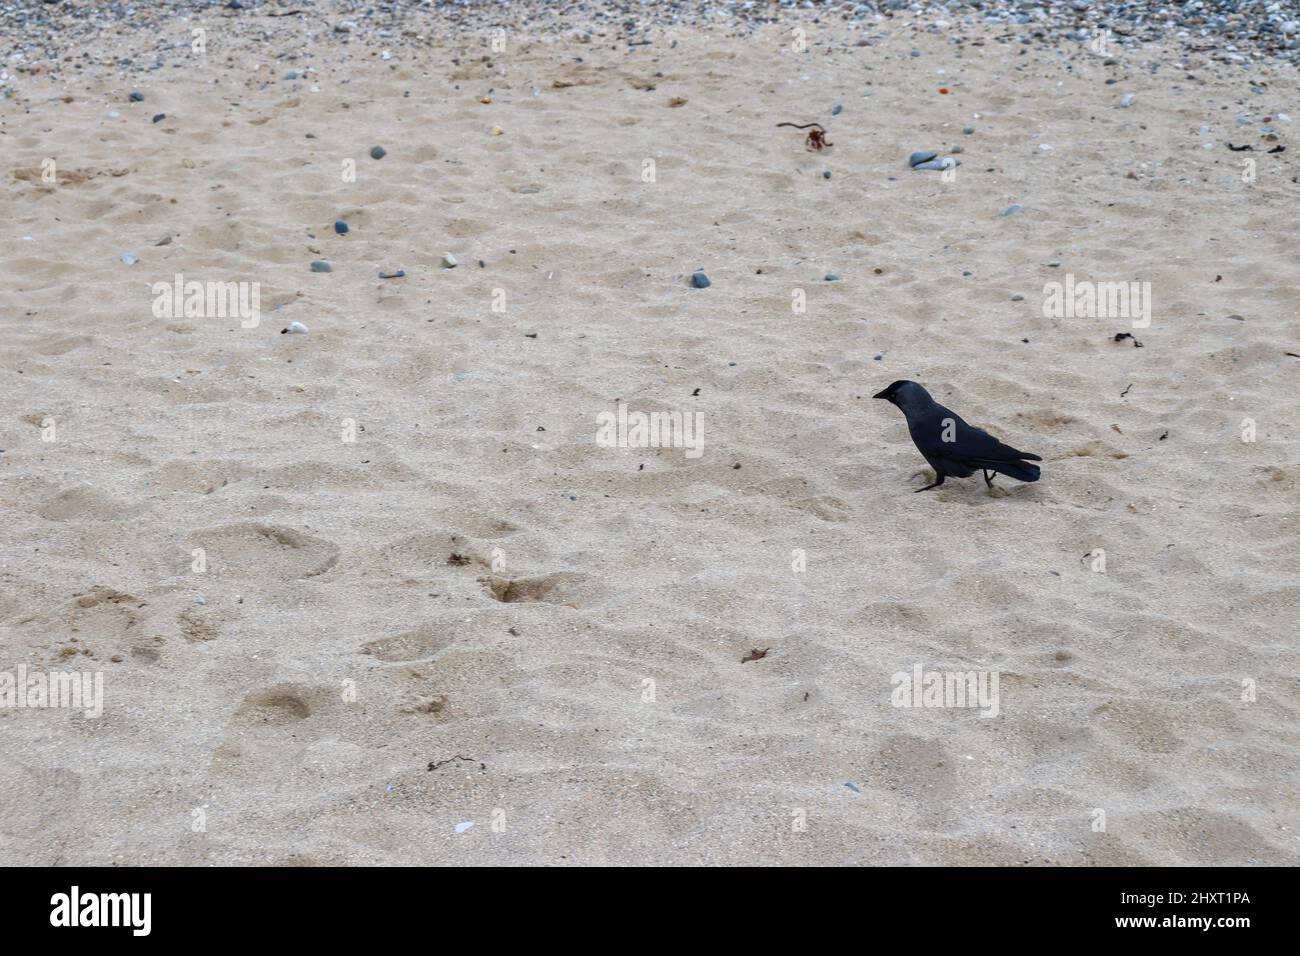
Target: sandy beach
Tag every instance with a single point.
(382, 592)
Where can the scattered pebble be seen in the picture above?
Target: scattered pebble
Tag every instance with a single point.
(320, 265)
(129, 259)
(1127, 100)
(378, 152)
(340, 227)
(826, 174)
(392, 275)
(449, 261)
(294, 328)
(832, 277)
(1017, 298)
(921, 156)
(1012, 210)
(136, 96)
(700, 280)
(159, 117)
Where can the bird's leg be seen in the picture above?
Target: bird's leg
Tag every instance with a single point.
(988, 478)
(928, 487)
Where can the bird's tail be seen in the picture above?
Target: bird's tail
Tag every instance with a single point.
(1021, 471)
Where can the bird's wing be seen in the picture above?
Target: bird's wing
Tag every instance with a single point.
(968, 443)
(978, 445)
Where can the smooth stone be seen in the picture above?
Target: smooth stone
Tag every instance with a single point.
(159, 117)
(378, 152)
(921, 156)
(968, 130)
(340, 227)
(957, 149)
(294, 328)
(1017, 298)
(291, 75)
(449, 261)
(129, 259)
(1127, 100)
(826, 174)
(136, 97)
(700, 280)
(837, 110)
(940, 164)
(320, 265)
(832, 277)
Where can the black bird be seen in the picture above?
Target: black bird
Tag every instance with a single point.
(950, 445)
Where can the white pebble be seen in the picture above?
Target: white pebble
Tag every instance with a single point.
(296, 328)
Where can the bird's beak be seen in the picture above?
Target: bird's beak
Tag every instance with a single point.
(884, 395)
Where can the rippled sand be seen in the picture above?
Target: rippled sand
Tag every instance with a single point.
(474, 611)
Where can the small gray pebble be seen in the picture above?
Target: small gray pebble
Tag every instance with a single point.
(700, 280)
(320, 265)
(1013, 209)
(378, 152)
(921, 156)
(136, 97)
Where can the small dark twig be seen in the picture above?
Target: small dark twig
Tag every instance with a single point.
(816, 134)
